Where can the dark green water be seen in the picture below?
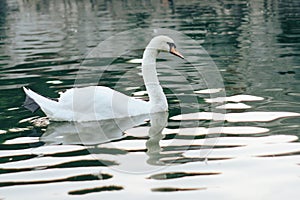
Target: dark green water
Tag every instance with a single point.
(256, 48)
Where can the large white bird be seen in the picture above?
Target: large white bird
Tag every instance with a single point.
(99, 102)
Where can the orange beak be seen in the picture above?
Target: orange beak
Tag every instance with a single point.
(175, 52)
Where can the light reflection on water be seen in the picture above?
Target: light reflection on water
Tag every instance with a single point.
(255, 44)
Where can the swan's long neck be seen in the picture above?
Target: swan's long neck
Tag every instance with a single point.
(157, 98)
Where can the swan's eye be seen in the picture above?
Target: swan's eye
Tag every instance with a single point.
(171, 45)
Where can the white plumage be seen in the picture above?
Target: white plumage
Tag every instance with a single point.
(100, 103)
(90, 104)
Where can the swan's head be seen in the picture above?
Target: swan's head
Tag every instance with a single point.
(164, 43)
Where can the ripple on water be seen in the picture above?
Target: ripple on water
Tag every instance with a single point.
(143, 131)
(22, 140)
(52, 176)
(43, 150)
(209, 91)
(96, 189)
(258, 150)
(235, 98)
(173, 189)
(56, 162)
(230, 141)
(174, 175)
(234, 106)
(237, 117)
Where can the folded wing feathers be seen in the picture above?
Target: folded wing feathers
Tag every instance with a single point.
(33, 100)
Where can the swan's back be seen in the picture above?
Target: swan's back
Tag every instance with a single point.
(96, 103)
(90, 104)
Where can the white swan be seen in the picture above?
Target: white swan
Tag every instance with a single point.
(99, 103)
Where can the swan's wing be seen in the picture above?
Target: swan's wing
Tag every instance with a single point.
(88, 104)
(85, 93)
(99, 102)
(85, 100)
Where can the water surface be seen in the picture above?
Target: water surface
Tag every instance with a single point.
(252, 154)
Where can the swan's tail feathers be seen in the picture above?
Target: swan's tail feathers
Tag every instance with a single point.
(35, 101)
(30, 104)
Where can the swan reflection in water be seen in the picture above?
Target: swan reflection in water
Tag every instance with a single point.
(158, 122)
(90, 133)
(99, 132)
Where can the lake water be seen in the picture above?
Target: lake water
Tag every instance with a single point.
(232, 130)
